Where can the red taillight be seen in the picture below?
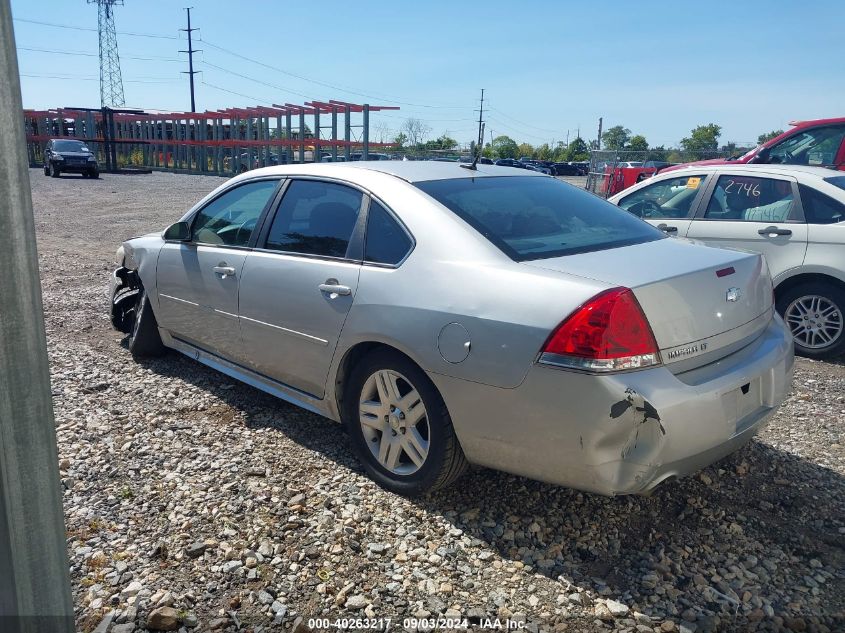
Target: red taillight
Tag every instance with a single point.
(607, 333)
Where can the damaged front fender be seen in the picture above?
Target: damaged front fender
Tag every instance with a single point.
(125, 286)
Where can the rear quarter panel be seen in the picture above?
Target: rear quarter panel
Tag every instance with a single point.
(825, 250)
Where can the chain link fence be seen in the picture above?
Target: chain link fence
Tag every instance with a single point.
(611, 171)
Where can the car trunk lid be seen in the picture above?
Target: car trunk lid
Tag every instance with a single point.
(699, 301)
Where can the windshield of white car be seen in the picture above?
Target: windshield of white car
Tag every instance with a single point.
(836, 181)
(69, 146)
(536, 218)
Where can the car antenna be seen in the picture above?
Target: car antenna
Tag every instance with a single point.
(474, 162)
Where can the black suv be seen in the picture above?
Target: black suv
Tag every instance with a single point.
(69, 155)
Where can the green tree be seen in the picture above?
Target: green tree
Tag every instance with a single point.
(637, 144)
(526, 149)
(577, 150)
(400, 140)
(702, 140)
(505, 147)
(616, 137)
(544, 152)
(768, 136)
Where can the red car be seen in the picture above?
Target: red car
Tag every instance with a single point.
(820, 143)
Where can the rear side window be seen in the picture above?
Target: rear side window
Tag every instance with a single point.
(386, 242)
(819, 208)
(530, 217)
(315, 218)
(751, 199)
(836, 181)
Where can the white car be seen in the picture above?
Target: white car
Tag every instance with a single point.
(794, 215)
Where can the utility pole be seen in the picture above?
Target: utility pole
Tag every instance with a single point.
(598, 142)
(34, 582)
(480, 113)
(190, 72)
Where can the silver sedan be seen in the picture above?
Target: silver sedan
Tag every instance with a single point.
(449, 315)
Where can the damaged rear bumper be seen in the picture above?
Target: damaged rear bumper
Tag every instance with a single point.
(623, 433)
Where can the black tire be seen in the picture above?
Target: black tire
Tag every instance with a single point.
(445, 461)
(144, 340)
(835, 295)
(95, 173)
(54, 171)
(46, 169)
(85, 174)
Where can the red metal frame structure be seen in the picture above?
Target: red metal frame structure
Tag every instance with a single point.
(214, 142)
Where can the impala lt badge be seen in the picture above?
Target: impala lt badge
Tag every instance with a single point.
(733, 294)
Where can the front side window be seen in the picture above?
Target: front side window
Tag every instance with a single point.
(752, 199)
(819, 208)
(817, 146)
(315, 218)
(670, 198)
(386, 242)
(230, 219)
(529, 217)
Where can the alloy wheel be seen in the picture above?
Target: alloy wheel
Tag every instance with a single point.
(394, 422)
(815, 321)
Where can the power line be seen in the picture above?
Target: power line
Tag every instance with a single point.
(542, 129)
(79, 78)
(83, 28)
(327, 85)
(86, 54)
(253, 79)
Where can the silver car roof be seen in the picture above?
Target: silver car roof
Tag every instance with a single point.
(411, 171)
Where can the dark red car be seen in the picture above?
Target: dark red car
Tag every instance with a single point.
(820, 143)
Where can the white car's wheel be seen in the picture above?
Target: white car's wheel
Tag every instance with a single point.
(815, 313)
(400, 427)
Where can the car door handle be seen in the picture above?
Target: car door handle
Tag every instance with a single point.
(331, 287)
(773, 230)
(667, 229)
(224, 271)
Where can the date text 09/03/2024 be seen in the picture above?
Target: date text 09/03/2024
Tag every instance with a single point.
(384, 624)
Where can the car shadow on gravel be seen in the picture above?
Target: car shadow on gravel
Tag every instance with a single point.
(775, 513)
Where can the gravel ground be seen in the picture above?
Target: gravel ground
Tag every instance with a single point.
(194, 501)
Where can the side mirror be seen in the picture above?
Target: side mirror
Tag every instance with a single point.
(178, 232)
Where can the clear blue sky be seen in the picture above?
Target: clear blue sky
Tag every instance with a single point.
(656, 67)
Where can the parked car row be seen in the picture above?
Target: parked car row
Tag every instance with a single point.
(429, 308)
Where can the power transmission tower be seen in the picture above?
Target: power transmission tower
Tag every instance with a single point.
(111, 81)
(191, 50)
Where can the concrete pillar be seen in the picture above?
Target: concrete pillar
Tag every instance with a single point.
(34, 583)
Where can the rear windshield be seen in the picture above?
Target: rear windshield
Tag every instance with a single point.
(69, 146)
(836, 181)
(534, 218)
